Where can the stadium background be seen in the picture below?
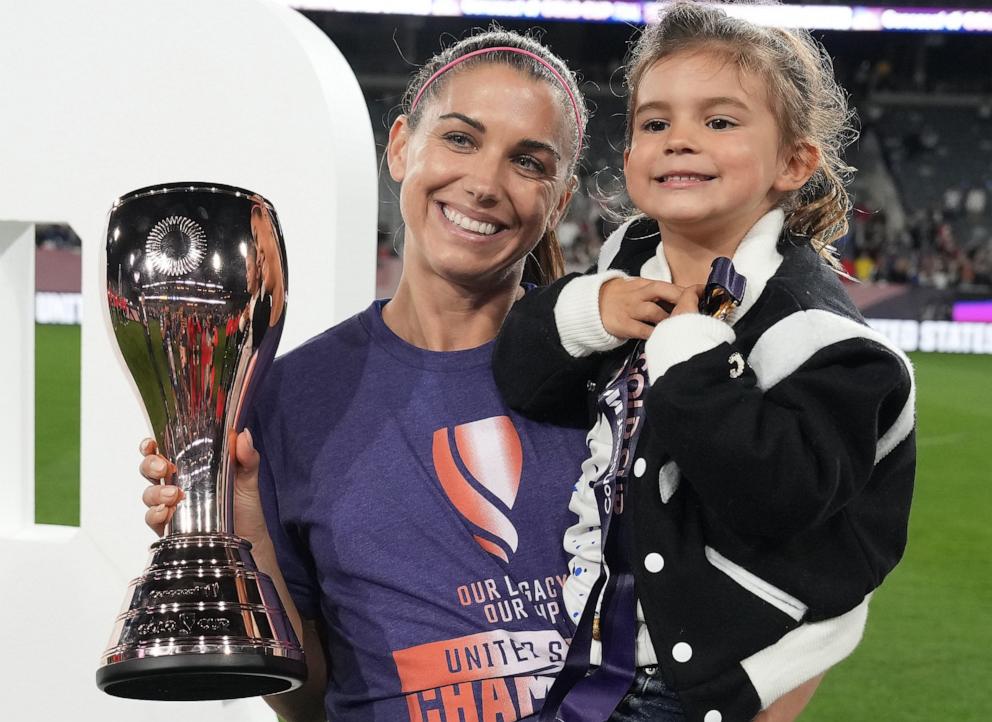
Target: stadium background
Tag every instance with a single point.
(921, 243)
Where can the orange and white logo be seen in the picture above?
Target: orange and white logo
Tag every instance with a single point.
(492, 457)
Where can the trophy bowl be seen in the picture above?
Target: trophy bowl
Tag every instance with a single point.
(197, 290)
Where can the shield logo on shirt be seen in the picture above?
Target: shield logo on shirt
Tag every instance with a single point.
(479, 465)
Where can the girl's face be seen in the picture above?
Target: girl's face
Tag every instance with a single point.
(705, 155)
(483, 174)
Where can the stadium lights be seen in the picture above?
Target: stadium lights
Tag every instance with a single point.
(812, 17)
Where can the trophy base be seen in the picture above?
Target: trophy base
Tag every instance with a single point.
(201, 623)
(200, 677)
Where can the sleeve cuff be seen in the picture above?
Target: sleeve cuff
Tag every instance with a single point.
(580, 326)
(679, 338)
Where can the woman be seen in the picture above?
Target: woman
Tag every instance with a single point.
(413, 521)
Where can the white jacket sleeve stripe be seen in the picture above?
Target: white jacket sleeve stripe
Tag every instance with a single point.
(804, 653)
(788, 344)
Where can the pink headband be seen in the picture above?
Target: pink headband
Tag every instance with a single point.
(518, 51)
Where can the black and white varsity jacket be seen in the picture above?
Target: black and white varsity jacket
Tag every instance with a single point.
(772, 483)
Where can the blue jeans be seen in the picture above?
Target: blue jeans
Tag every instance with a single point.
(649, 699)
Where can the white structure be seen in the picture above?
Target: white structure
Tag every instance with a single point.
(99, 99)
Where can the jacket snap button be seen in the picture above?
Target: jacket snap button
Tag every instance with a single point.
(639, 466)
(654, 562)
(682, 652)
(713, 716)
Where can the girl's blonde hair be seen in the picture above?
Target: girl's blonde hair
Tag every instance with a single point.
(809, 106)
(546, 262)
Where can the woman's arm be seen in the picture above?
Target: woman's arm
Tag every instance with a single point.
(305, 704)
(788, 707)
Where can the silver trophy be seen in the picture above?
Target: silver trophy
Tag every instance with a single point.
(196, 284)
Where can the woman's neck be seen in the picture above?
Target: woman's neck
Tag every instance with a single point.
(439, 315)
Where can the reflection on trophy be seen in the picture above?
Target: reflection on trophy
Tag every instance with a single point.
(196, 284)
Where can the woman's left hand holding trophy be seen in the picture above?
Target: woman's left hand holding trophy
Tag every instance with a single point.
(162, 499)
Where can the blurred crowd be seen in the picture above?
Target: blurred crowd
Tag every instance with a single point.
(939, 247)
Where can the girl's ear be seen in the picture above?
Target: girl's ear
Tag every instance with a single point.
(798, 167)
(396, 148)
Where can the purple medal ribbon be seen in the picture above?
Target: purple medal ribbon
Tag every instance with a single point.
(578, 695)
(724, 289)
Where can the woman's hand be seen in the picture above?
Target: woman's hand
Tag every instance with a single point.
(249, 522)
(162, 499)
(632, 307)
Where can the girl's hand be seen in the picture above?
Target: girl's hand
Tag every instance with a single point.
(162, 499)
(688, 301)
(632, 307)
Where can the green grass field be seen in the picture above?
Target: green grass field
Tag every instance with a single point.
(927, 652)
(56, 429)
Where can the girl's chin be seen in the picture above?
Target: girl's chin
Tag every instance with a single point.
(680, 220)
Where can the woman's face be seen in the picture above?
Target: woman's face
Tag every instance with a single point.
(483, 174)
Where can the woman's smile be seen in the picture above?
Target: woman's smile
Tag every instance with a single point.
(474, 225)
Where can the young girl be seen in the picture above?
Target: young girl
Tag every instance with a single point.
(749, 477)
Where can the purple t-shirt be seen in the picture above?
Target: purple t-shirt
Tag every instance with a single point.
(422, 521)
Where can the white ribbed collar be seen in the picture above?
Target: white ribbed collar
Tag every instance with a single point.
(756, 258)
